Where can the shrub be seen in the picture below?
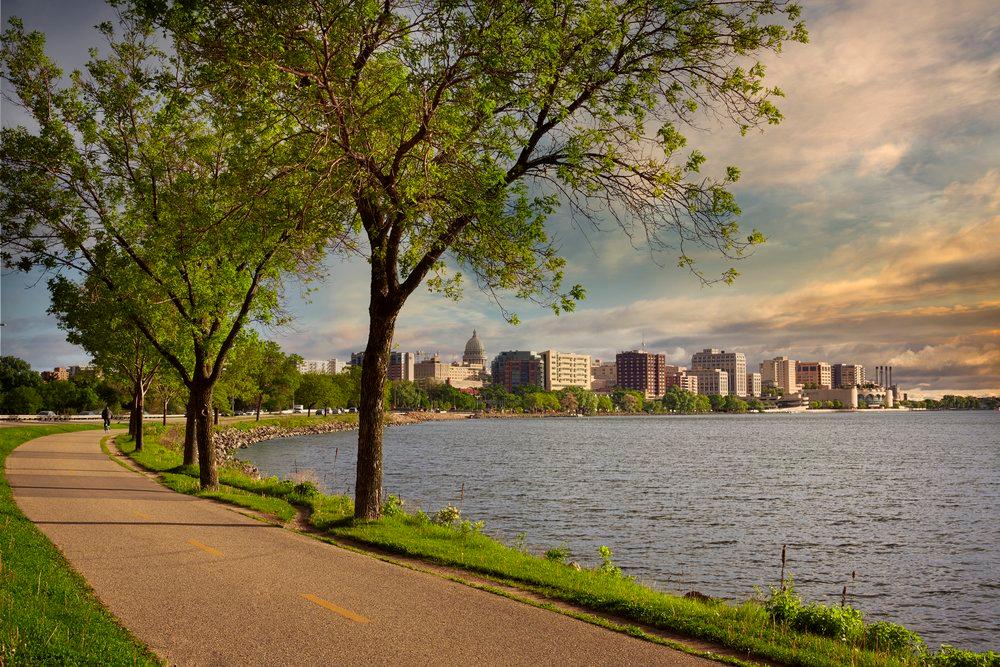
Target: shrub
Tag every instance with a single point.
(447, 515)
(468, 528)
(949, 656)
(558, 554)
(892, 638)
(393, 506)
(608, 566)
(305, 489)
(836, 622)
(784, 604)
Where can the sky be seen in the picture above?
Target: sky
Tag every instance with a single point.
(879, 195)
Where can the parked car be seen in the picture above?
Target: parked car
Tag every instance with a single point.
(46, 414)
(297, 409)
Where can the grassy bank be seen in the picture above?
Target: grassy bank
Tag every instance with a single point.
(781, 628)
(48, 614)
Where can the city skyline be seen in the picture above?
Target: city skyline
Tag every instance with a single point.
(880, 205)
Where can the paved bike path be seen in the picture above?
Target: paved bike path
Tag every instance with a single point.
(201, 584)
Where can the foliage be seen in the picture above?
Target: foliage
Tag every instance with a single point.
(447, 515)
(607, 565)
(558, 554)
(393, 506)
(829, 621)
(893, 638)
(949, 656)
(180, 209)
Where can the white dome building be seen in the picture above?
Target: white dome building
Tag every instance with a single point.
(475, 353)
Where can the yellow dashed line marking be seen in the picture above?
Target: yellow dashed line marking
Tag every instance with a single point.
(346, 613)
(204, 547)
(143, 515)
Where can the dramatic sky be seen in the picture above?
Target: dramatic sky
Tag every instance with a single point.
(879, 194)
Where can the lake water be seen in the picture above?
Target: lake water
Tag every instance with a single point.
(910, 501)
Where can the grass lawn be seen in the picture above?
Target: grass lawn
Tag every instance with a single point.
(48, 614)
(747, 628)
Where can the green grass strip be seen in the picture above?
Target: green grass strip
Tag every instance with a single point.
(48, 613)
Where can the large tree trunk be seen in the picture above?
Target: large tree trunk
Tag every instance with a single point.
(166, 401)
(140, 403)
(374, 375)
(260, 399)
(190, 449)
(201, 397)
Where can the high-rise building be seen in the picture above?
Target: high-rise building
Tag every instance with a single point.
(565, 369)
(734, 363)
(327, 366)
(517, 368)
(814, 373)
(711, 381)
(681, 378)
(475, 353)
(358, 358)
(844, 376)
(642, 371)
(401, 366)
(754, 384)
(779, 372)
(603, 375)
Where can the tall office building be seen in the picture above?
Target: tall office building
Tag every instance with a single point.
(565, 369)
(845, 376)
(401, 366)
(642, 371)
(814, 373)
(516, 368)
(711, 381)
(779, 372)
(734, 363)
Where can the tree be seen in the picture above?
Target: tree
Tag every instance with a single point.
(631, 403)
(16, 372)
(568, 402)
(93, 319)
(458, 129)
(186, 205)
(22, 400)
(315, 389)
(604, 404)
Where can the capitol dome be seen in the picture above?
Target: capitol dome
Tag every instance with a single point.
(475, 353)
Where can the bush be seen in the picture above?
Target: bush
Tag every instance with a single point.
(305, 489)
(393, 506)
(447, 515)
(608, 566)
(784, 604)
(892, 638)
(949, 656)
(835, 622)
(558, 554)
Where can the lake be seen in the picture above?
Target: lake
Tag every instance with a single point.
(908, 500)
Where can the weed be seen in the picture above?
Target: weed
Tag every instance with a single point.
(558, 554)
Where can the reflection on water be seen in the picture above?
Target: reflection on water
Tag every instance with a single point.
(911, 501)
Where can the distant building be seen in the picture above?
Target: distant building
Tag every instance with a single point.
(711, 381)
(816, 373)
(401, 366)
(475, 353)
(754, 384)
(848, 396)
(733, 363)
(517, 368)
(57, 373)
(78, 370)
(459, 375)
(336, 366)
(358, 359)
(603, 375)
(565, 369)
(779, 372)
(682, 379)
(642, 371)
(327, 366)
(847, 375)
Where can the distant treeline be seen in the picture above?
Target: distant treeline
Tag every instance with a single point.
(950, 402)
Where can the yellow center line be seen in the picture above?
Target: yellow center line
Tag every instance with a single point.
(143, 515)
(346, 613)
(204, 547)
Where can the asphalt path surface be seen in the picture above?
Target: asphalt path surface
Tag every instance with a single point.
(202, 584)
